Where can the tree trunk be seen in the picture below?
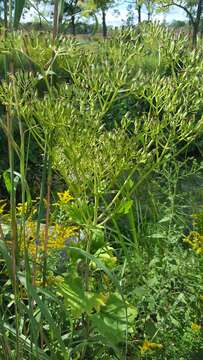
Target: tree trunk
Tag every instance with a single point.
(104, 27)
(194, 35)
(195, 25)
(149, 16)
(5, 14)
(56, 18)
(73, 25)
(139, 13)
(10, 21)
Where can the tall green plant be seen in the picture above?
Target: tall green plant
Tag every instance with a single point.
(108, 130)
(18, 10)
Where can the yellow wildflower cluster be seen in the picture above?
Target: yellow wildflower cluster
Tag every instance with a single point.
(21, 208)
(57, 236)
(195, 327)
(195, 240)
(147, 345)
(64, 197)
(198, 221)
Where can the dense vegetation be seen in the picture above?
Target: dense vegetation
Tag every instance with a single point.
(100, 214)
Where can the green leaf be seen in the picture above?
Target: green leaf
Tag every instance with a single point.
(19, 6)
(110, 336)
(125, 206)
(111, 321)
(115, 313)
(79, 300)
(75, 297)
(139, 292)
(7, 180)
(98, 240)
(105, 254)
(166, 219)
(150, 328)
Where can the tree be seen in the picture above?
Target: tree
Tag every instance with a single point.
(138, 7)
(68, 9)
(12, 11)
(103, 5)
(131, 16)
(71, 8)
(193, 10)
(177, 24)
(150, 6)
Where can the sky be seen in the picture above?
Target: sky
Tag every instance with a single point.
(119, 18)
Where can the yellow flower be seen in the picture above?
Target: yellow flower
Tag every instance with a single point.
(147, 345)
(60, 235)
(195, 327)
(2, 206)
(201, 297)
(64, 197)
(199, 250)
(195, 240)
(20, 208)
(57, 237)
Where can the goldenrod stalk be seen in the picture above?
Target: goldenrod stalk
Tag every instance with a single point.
(48, 205)
(13, 225)
(41, 202)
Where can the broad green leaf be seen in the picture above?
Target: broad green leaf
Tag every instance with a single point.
(109, 335)
(115, 312)
(19, 6)
(78, 300)
(111, 321)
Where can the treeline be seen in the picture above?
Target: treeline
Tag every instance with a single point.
(70, 15)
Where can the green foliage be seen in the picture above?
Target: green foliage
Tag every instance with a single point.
(19, 6)
(117, 125)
